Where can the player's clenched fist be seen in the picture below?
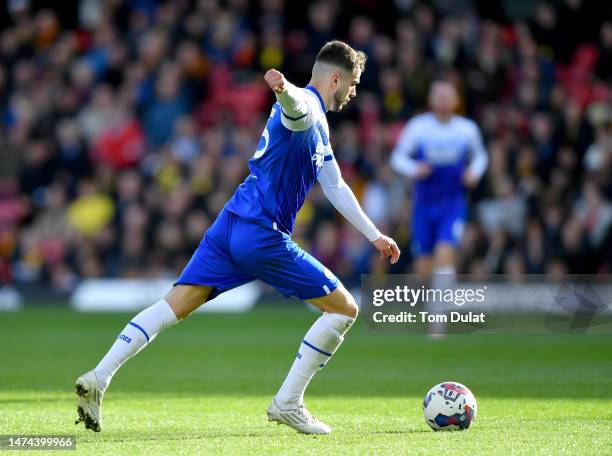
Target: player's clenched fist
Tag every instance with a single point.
(275, 80)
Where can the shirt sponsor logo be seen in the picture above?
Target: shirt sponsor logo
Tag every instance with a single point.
(319, 155)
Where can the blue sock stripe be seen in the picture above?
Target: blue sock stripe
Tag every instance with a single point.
(140, 327)
(315, 348)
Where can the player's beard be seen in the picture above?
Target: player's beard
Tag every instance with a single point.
(339, 101)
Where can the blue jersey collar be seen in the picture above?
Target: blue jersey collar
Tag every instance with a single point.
(316, 92)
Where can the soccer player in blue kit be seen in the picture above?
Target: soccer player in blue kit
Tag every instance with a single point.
(445, 155)
(251, 239)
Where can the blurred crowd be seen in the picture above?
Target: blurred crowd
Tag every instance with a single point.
(123, 134)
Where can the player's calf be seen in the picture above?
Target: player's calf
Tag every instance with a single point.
(319, 344)
(184, 299)
(138, 333)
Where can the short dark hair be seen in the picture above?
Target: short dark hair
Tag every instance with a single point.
(341, 54)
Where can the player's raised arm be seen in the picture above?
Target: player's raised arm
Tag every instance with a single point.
(295, 104)
(343, 199)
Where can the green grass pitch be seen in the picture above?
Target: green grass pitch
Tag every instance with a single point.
(203, 387)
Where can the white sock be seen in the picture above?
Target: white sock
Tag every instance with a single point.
(321, 341)
(138, 333)
(443, 278)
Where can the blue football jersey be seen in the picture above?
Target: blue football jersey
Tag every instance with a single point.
(284, 167)
(450, 148)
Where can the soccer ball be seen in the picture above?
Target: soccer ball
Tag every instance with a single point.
(449, 406)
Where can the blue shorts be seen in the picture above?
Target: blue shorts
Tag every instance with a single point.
(234, 252)
(439, 222)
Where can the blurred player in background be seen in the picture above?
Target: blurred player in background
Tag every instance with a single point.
(251, 239)
(445, 155)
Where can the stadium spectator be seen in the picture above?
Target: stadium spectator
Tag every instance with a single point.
(156, 103)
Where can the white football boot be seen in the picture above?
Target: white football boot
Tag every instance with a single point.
(298, 418)
(89, 401)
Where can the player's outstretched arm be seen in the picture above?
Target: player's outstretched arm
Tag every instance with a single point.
(343, 199)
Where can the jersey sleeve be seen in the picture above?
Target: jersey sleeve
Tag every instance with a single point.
(343, 199)
(479, 158)
(299, 108)
(402, 160)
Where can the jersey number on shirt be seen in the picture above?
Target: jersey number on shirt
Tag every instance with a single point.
(264, 141)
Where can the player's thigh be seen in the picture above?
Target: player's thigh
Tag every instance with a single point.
(339, 301)
(448, 239)
(274, 258)
(423, 232)
(451, 224)
(211, 269)
(184, 299)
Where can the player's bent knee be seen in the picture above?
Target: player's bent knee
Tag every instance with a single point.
(184, 299)
(340, 301)
(352, 309)
(444, 255)
(347, 305)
